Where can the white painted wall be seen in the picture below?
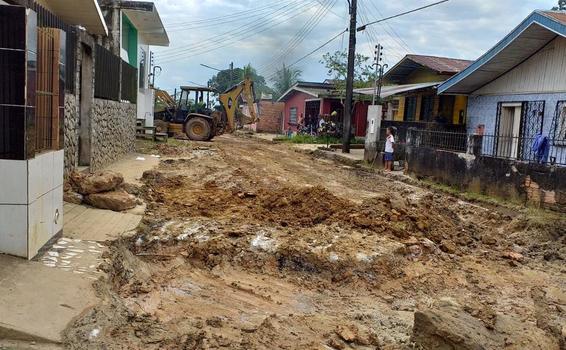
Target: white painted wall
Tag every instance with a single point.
(31, 203)
(544, 72)
(146, 95)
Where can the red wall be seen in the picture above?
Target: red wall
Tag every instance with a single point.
(361, 118)
(296, 100)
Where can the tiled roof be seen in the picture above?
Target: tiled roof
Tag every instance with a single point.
(441, 64)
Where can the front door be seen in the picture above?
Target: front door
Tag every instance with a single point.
(509, 131)
(518, 124)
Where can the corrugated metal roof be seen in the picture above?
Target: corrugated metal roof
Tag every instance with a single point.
(440, 65)
(392, 90)
(310, 88)
(533, 34)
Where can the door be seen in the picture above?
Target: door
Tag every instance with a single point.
(86, 96)
(410, 108)
(509, 130)
(427, 108)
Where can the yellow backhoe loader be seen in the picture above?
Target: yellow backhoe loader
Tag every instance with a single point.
(193, 115)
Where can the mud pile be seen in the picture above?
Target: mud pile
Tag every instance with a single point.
(237, 252)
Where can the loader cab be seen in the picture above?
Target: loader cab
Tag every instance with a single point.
(193, 99)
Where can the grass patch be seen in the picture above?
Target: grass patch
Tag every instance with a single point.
(316, 140)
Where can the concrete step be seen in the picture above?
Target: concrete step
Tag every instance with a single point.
(37, 302)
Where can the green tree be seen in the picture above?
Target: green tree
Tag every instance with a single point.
(284, 79)
(337, 65)
(227, 78)
(561, 6)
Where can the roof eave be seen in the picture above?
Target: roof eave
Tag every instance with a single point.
(153, 31)
(535, 17)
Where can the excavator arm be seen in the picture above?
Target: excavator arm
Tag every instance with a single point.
(229, 100)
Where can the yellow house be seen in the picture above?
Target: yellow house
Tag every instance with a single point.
(410, 90)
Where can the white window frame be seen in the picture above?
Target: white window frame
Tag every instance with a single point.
(291, 110)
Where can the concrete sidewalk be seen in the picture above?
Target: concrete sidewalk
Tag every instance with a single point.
(39, 299)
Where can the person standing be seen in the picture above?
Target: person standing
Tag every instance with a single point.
(389, 149)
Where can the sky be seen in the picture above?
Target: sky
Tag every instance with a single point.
(269, 33)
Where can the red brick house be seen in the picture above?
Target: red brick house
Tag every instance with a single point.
(315, 99)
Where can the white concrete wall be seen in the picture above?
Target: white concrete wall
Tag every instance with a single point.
(544, 72)
(31, 203)
(146, 95)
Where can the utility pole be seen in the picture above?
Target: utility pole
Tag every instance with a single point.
(378, 48)
(350, 78)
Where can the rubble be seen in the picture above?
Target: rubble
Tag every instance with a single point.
(450, 327)
(99, 182)
(116, 200)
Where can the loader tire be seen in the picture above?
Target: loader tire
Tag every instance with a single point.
(198, 129)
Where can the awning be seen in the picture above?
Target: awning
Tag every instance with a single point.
(533, 34)
(84, 13)
(145, 17)
(392, 90)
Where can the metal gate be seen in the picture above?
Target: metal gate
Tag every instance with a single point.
(558, 129)
(532, 120)
(531, 124)
(48, 89)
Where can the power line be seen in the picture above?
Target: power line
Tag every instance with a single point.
(294, 6)
(215, 22)
(244, 33)
(380, 14)
(244, 12)
(315, 50)
(363, 27)
(299, 37)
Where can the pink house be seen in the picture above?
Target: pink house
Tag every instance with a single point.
(306, 99)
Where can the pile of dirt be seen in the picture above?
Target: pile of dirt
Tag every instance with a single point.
(257, 247)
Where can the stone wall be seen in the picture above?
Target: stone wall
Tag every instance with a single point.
(71, 133)
(533, 184)
(113, 132)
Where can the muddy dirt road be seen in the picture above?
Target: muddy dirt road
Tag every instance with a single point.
(248, 245)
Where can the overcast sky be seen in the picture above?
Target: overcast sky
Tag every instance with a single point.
(217, 32)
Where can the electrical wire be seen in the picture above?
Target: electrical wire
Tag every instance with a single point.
(233, 38)
(214, 22)
(315, 50)
(248, 27)
(298, 39)
(363, 27)
(245, 13)
(395, 33)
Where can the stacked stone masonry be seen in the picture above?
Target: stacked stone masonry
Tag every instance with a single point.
(71, 133)
(113, 132)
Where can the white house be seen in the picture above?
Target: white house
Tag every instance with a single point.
(141, 28)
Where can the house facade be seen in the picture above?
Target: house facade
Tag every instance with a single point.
(37, 65)
(313, 100)
(101, 114)
(58, 108)
(410, 93)
(517, 90)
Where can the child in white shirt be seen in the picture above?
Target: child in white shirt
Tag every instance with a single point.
(389, 149)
